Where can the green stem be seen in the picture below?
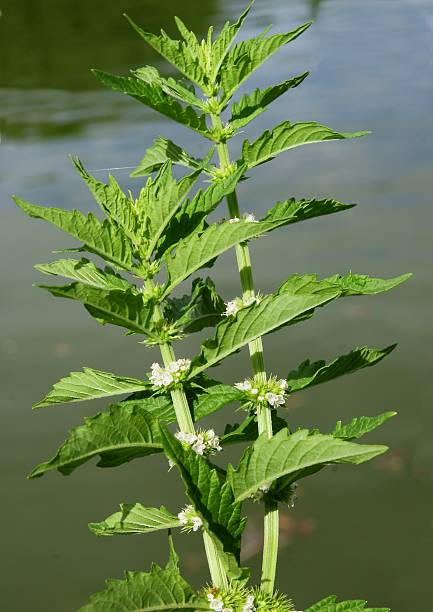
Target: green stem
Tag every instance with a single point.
(186, 424)
(264, 417)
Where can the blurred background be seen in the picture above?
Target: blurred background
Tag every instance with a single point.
(357, 532)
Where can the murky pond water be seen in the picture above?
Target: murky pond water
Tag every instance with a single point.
(362, 532)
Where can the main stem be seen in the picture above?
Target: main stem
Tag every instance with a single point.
(186, 424)
(264, 417)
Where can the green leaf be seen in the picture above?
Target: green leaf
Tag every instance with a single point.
(135, 518)
(172, 87)
(118, 436)
(90, 384)
(161, 151)
(310, 374)
(87, 273)
(224, 40)
(160, 589)
(155, 97)
(180, 54)
(286, 136)
(191, 216)
(248, 430)
(122, 308)
(348, 285)
(200, 248)
(245, 57)
(271, 313)
(360, 426)
(285, 453)
(215, 398)
(292, 211)
(113, 202)
(159, 201)
(329, 604)
(103, 239)
(202, 308)
(211, 497)
(254, 104)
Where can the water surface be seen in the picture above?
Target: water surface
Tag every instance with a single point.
(356, 532)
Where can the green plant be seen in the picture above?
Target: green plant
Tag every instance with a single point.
(160, 238)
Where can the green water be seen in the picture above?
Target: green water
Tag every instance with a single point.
(363, 532)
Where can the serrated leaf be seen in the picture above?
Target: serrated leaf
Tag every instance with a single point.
(330, 604)
(310, 374)
(103, 239)
(85, 272)
(360, 426)
(172, 87)
(285, 453)
(224, 40)
(211, 497)
(214, 398)
(202, 308)
(159, 201)
(161, 151)
(179, 53)
(135, 518)
(118, 436)
(245, 57)
(292, 211)
(122, 308)
(113, 202)
(198, 249)
(191, 216)
(286, 136)
(160, 589)
(254, 104)
(348, 285)
(90, 384)
(155, 97)
(271, 313)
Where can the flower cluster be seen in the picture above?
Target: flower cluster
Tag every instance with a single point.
(217, 604)
(248, 217)
(202, 442)
(237, 304)
(174, 373)
(271, 391)
(189, 519)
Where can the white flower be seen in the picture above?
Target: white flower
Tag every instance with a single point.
(188, 438)
(231, 308)
(171, 464)
(250, 218)
(202, 442)
(234, 220)
(283, 384)
(217, 604)
(189, 519)
(173, 373)
(244, 386)
(249, 605)
(275, 399)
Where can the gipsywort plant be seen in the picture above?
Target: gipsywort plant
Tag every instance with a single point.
(160, 238)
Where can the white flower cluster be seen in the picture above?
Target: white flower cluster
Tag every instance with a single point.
(237, 304)
(173, 373)
(248, 217)
(272, 391)
(217, 604)
(189, 519)
(249, 606)
(202, 442)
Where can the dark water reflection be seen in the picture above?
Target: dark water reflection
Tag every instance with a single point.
(357, 532)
